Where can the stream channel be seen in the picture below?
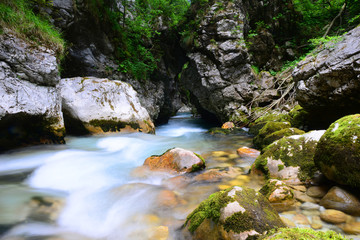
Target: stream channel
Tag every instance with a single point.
(94, 188)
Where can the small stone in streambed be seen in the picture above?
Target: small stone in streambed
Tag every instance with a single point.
(301, 219)
(288, 222)
(309, 206)
(317, 191)
(300, 188)
(316, 223)
(228, 125)
(351, 228)
(333, 216)
(248, 152)
(168, 199)
(302, 197)
(176, 160)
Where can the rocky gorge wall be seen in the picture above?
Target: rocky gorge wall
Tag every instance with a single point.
(30, 107)
(91, 52)
(219, 76)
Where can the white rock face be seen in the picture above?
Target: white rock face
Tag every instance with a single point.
(34, 64)
(90, 99)
(30, 107)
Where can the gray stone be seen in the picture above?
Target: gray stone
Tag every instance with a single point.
(30, 107)
(103, 105)
(328, 79)
(34, 64)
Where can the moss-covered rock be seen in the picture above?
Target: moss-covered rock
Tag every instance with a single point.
(280, 196)
(299, 118)
(227, 131)
(273, 116)
(301, 234)
(267, 129)
(176, 160)
(280, 134)
(235, 213)
(338, 151)
(290, 158)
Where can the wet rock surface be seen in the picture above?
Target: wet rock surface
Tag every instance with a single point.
(328, 80)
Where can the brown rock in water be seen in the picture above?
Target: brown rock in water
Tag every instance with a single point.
(168, 199)
(317, 191)
(352, 228)
(176, 160)
(342, 200)
(279, 195)
(333, 216)
(228, 125)
(247, 152)
(301, 219)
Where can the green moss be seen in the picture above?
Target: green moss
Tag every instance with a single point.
(274, 117)
(209, 208)
(338, 151)
(218, 130)
(239, 222)
(280, 134)
(269, 128)
(18, 16)
(301, 234)
(112, 125)
(299, 117)
(201, 158)
(280, 167)
(292, 152)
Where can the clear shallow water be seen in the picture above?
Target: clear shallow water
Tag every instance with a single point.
(97, 190)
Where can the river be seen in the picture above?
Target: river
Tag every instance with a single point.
(93, 188)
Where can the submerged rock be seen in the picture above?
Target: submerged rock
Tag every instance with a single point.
(337, 154)
(30, 107)
(176, 160)
(100, 105)
(236, 213)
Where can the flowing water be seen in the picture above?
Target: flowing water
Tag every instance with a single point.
(94, 188)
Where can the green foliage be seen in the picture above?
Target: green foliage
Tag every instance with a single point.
(255, 69)
(18, 16)
(301, 234)
(318, 14)
(134, 29)
(328, 42)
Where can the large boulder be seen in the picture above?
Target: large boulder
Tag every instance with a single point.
(30, 107)
(235, 213)
(176, 160)
(100, 105)
(328, 83)
(290, 158)
(337, 154)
